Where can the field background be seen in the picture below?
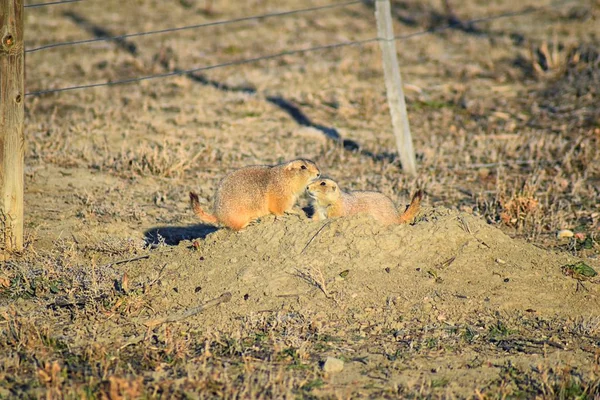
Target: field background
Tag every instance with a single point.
(506, 124)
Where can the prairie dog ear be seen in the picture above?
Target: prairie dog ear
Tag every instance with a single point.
(291, 165)
(333, 188)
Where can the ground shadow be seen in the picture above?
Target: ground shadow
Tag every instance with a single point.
(286, 105)
(173, 235)
(101, 33)
(309, 211)
(280, 102)
(298, 116)
(414, 14)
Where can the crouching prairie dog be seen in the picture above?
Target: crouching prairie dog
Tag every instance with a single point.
(252, 192)
(329, 201)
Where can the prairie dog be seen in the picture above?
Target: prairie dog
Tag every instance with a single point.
(329, 201)
(252, 192)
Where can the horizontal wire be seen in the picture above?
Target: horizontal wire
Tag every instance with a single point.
(287, 52)
(205, 68)
(52, 3)
(207, 24)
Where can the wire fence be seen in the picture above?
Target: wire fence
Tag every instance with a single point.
(12, 137)
(509, 14)
(52, 3)
(197, 26)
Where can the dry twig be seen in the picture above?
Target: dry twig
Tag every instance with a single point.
(314, 276)
(315, 235)
(153, 323)
(110, 264)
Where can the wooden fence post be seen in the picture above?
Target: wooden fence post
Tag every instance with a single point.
(12, 111)
(393, 85)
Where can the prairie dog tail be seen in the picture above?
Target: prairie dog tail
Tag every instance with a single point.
(203, 215)
(413, 209)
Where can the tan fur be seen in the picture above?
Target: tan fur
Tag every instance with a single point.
(329, 202)
(256, 191)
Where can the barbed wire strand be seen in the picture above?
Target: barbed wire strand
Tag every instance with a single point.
(285, 53)
(52, 3)
(205, 68)
(196, 26)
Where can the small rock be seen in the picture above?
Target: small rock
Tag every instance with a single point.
(500, 261)
(333, 364)
(564, 234)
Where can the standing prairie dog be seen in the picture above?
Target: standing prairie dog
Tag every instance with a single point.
(329, 201)
(252, 192)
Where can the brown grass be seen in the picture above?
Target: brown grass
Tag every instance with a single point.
(506, 125)
(278, 355)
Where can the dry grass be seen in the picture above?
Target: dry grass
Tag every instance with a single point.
(279, 356)
(506, 125)
(170, 159)
(314, 277)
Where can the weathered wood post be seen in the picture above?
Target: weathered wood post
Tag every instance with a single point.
(12, 98)
(393, 85)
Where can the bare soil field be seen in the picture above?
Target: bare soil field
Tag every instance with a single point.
(122, 293)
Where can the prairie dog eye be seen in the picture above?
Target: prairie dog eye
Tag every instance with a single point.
(303, 167)
(323, 184)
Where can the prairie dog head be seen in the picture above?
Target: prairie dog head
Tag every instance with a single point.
(300, 172)
(324, 191)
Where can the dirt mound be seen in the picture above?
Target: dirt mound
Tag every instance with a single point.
(445, 267)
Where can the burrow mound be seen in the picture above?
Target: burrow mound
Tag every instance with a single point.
(446, 266)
